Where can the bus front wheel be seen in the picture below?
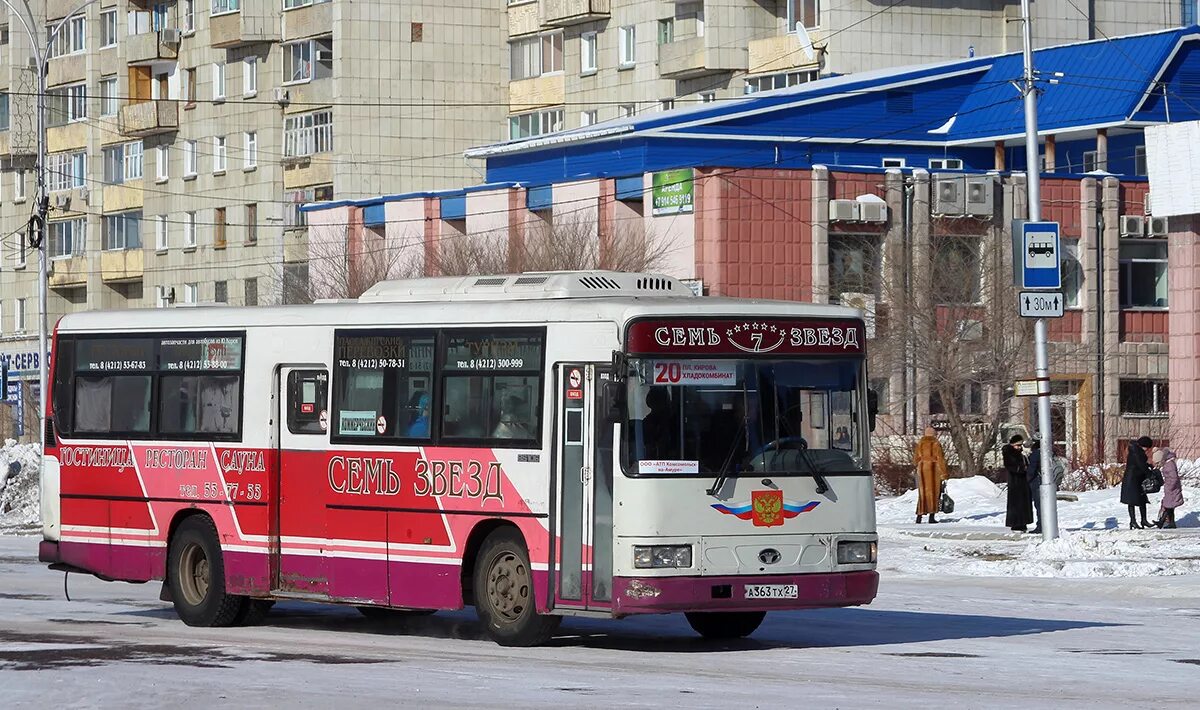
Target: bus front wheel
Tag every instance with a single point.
(196, 576)
(504, 597)
(725, 624)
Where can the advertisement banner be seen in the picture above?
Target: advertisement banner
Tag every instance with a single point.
(672, 191)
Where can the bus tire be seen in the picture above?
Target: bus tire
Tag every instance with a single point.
(504, 594)
(725, 624)
(253, 611)
(196, 575)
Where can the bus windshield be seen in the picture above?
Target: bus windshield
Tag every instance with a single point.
(745, 417)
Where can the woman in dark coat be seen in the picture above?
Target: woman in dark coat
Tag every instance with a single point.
(1137, 468)
(1020, 506)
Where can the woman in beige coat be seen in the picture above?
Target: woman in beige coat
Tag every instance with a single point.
(931, 471)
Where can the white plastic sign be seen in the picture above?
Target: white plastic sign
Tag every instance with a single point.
(694, 372)
(668, 466)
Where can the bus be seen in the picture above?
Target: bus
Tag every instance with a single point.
(537, 445)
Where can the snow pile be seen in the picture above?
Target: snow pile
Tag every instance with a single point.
(1089, 554)
(974, 496)
(19, 506)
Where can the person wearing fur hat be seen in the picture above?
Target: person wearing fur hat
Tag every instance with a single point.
(1172, 491)
(1137, 468)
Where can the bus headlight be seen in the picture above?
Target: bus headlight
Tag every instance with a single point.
(658, 556)
(856, 552)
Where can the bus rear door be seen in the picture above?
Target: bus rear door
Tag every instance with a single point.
(584, 451)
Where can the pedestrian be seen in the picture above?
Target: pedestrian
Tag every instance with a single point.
(930, 461)
(1018, 511)
(1172, 491)
(1137, 468)
(1033, 475)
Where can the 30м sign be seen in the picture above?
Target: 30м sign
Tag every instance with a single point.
(672, 192)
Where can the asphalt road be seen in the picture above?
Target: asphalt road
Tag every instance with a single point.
(928, 642)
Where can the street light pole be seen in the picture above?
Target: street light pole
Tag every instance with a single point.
(1048, 517)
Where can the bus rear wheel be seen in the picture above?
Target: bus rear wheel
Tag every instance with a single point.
(196, 576)
(725, 624)
(504, 597)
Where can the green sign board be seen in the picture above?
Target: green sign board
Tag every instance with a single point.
(672, 191)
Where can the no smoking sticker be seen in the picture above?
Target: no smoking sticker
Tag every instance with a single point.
(323, 419)
(381, 424)
(575, 379)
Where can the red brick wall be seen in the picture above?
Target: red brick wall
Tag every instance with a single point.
(754, 233)
(1144, 326)
(1060, 203)
(848, 186)
(1068, 329)
(1133, 197)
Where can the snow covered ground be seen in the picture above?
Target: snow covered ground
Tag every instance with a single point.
(19, 509)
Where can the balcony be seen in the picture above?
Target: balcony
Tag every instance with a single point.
(148, 48)
(148, 118)
(121, 266)
(58, 9)
(693, 57)
(71, 272)
(68, 69)
(563, 13)
(308, 21)
(781, 53)
(538, 92)
(247, 26)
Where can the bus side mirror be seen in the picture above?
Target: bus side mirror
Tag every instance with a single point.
(614, 397)
(872, 408)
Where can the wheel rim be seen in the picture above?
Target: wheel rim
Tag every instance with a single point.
(194, 575)
(508, 586)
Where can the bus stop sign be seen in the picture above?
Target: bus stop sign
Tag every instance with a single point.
(1036, 254)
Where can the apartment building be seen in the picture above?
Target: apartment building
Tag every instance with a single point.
(183, 135)
(578, 62)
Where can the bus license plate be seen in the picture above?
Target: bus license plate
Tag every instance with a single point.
(772, 591)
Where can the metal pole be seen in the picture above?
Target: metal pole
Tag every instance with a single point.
(43, 208)
(1049, 503)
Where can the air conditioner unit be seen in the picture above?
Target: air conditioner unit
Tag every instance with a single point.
(1133, 226)
(872, 211)
(1156, 227)
(62, 200)
(84, 194)
(168, 36)
(980, 202)
(281, 95)
(324, 55)
(949, 194)
(843, 210)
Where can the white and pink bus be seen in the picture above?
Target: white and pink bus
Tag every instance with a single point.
(537, 445)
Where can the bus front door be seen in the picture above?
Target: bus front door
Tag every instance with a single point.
(585, 489)
(302, 436)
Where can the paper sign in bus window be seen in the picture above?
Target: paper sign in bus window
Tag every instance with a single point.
(356, 423)
(668, 466)
(694, 372)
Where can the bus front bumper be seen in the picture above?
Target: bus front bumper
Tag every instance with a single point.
(657, 595)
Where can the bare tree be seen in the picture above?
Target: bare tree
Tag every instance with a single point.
(340, 267)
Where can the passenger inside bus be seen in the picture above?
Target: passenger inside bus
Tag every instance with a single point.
(659, 427)
(218, 405)
(418, 408)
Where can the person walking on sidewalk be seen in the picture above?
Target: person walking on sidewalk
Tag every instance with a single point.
(1172, 491)
(930, 461)
(1137, 468)
(1034, 481)
(1018, 510)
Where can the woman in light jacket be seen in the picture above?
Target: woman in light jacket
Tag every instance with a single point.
(1172, 491)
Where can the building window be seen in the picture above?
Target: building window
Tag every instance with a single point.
(882, 387)
(19, 315)
(707, 97)
(587, 53)
(854, 265)
(535, 124)
(1139, 161)
(66, 171)
(666, 104)
(626, 47)
(1187, 13)
(552, 52)
(1091, 161)
(190, 293)
(1144, 397)
(68, 238)
(162, 12)
(293, 218)
(19, 184)
(666, 31)
(222, 6)
(250, 76)
(250, 150)
(5, 115)
(251, 291)
(770, 82)
(218, 154)
(71, 38)
(123, 230)
(308, 133)
(110, 100)
(162, 296)
(957, 274)
(123, 162)
(221, 291)
(945, 164)
(190, 167)
(587, 118)
(626, 110)
(252, 224)
(297, 62)
(218, 82)
(219, 237)
(161, 162)
(895, 163)
(161, 238)
(66, 104)
(1072, 274)
(969, 400)
(1143, 274)
(189, 230)
(189, 15)
(535, 56)
(803, 13)
(108, 29)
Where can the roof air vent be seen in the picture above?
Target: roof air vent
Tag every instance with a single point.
(531, 280)
(654, 284)
(490, 281)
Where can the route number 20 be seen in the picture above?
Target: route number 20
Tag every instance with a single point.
(667, 373)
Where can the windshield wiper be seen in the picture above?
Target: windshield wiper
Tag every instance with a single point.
(822, 484)
(723, 474)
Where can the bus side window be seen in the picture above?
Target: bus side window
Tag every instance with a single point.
(307, 400)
